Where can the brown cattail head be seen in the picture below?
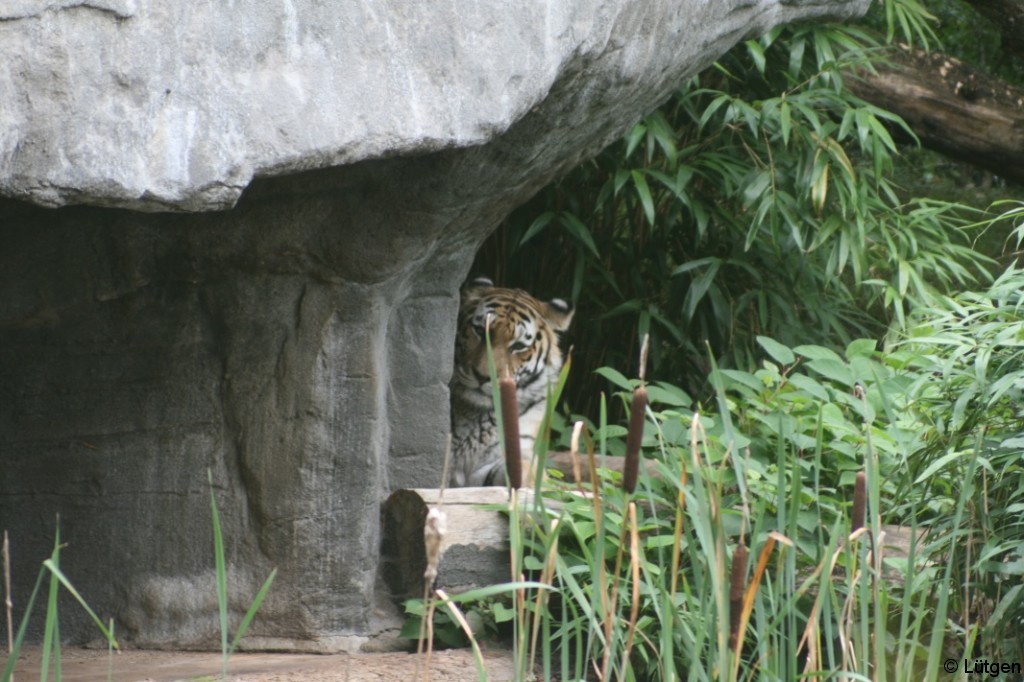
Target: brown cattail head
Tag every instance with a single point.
(860, 494)
(737, 586)
(634, 438)
(510, 424)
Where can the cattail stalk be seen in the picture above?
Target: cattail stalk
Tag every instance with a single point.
(635, 435)
(434, 528)
(433, 536)
(634, 564)
(510, 424)
(644, 349)
(633, 439)
(737, 587)
(574, 453)
(860, 493)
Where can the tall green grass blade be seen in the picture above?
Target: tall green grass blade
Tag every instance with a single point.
(253, 608)
(941, 609)
(110, 655)
(221, 577)
(481, 593)
(107, 634)
(51, 638)
(222, 588)
(12, 658)
(478, 657)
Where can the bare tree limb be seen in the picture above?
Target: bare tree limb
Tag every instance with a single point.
(953, 108)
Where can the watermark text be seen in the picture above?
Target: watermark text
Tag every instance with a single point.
(982, 666)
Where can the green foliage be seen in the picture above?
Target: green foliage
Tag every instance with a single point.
(445, 629)
(753, 228)
(51, 651)
(967, 355)
(961, 31)
(484, 617)
(757, 201)
(642, 586)
(642, 581)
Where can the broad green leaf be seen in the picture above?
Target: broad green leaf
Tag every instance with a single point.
(743, 378)
(806, 383)
(667, 394)
(860, 348)
(835, 370)
(817, 353)
(502, 613)
(779, 352)
(616, 377)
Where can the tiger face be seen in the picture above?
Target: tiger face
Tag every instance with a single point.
(524, 340)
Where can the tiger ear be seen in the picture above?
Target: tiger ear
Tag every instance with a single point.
(473, 289)
(559, 313)
(477, 283)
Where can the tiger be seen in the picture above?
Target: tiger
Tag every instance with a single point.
(525, 336)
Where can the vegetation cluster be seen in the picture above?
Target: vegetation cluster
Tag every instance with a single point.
(816, 323)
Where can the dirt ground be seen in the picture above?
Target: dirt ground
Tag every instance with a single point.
(86, 665)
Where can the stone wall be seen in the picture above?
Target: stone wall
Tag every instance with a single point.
(232, 240)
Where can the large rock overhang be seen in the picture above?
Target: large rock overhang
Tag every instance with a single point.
(232, 240)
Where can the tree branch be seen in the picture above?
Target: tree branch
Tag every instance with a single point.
(953, 108)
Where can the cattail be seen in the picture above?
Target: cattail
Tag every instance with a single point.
(860, 493)
(737, 585)
(433, 534)
(510, 423)
(633, 439)
(574, 452)
(635, 435)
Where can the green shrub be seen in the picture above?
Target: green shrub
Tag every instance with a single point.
(643, 581)
(967, 356)
(756, 201)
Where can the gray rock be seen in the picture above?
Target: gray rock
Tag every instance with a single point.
(298, 344)
(163, 105)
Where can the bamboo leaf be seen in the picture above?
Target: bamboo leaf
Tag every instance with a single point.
(644, 192)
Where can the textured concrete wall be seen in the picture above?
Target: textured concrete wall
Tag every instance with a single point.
(298, 342)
